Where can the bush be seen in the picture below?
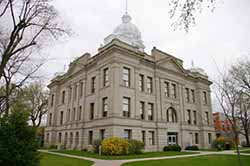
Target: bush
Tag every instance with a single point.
(96, 144)
(172, 148)
(18, 140)
(53, 147)
(222, 143)
(135, 146)
(115, 146)
(193, 147)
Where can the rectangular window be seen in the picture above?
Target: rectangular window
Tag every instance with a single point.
(70, 93)
(61, 118)
(142, 109)
(151, 137)
(102, 134)
(149, 84)
(68, 118)
(207, 117)
(74, 114)
(166, 89)
(150, 111)
(209, 138)
(50, 119)
(143, 133)
(196, 138)
(195, 117)
(47, 137)
(92, 110)
(126, 107)
(193, 95)
(93, 84)
(105, 77)
(141, 82)
(188, 116)
(104, 107)
(204, 97)
(81, 89)
(63, 97)
(174, 93)
(187, 95)
(80, 113)
(127, 134)
(59, 137)
(75, 92)
(126, 76)
(90, 137)
(52, 100)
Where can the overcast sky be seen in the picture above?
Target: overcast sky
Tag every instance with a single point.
(219, 37)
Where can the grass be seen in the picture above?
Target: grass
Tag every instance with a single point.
(212, 160)
(54, 160)
(134, 156)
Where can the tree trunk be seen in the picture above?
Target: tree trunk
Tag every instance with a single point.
(238, 151)
(247, 139)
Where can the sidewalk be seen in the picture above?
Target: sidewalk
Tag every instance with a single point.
(99, 162)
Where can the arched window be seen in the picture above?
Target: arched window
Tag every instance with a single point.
(171, 115)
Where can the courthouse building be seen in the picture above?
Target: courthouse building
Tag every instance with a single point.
(122, 91)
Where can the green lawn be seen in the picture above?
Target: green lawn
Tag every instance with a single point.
(53, 160)
(144, 155)
(212, 160)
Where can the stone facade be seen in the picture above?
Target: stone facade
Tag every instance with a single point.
(124, 92)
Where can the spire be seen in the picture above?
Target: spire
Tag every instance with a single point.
(126, 7)
(192, 63)
(126, 18)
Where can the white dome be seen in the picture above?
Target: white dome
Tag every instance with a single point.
(127, 32)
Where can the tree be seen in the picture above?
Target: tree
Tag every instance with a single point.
(18, 140)
(241, 74)
(183, 11)
(229, 97)
(26, 26)
(36, 100)
(18, 70)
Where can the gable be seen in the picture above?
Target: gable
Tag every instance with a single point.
(171, 64)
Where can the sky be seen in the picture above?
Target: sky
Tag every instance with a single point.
(218, 39)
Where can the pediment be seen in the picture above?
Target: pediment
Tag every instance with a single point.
(73, 69)
(171, 64)
(78, 64)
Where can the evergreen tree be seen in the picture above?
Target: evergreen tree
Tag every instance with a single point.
(18, 140)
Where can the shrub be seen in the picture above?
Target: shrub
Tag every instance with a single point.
(135, 146)
(96, 144)
(115, 146)
(18, 140)
(222, 143)
(53, 147)
(84, 150)
(172, 148)
(193, 147)
(176, 148)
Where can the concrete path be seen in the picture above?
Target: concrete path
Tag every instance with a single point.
(99, 162)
